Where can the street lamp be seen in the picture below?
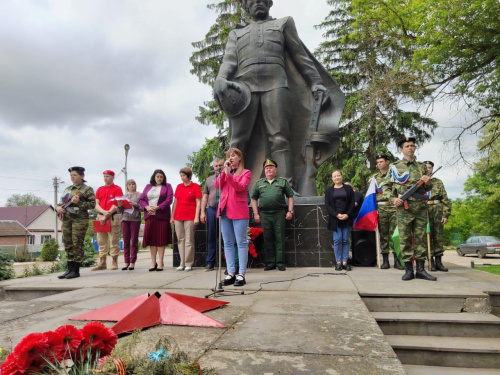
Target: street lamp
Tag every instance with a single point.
(126, 147)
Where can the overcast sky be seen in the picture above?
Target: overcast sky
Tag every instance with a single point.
(80, 79)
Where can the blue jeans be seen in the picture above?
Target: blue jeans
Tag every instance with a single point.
(212, 229)
(341, 243)
(234, 232)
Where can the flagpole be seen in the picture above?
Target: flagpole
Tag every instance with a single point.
(377, 241)
(429, 242)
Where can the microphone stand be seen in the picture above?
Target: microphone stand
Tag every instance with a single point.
(217, 289)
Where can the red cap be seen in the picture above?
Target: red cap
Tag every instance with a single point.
(107, 171)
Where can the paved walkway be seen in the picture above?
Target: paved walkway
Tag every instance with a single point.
(304, 320)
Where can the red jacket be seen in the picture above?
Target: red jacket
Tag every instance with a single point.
(234, 194)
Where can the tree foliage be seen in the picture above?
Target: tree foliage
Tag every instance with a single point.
(479, 212)
(455, 48)
(366, 62)
(29, 199)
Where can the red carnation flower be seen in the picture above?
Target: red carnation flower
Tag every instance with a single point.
(56, 349)
(30, 350)
(98, 337)
(72, 337)
(10, 367)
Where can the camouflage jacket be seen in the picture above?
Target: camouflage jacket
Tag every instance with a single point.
(87, 200)
(438, 192)
(405, 174)
(384, 186)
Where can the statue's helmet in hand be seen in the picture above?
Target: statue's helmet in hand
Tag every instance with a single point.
(235, 99)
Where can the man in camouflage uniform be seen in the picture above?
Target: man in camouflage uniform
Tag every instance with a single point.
(386, 211)
(270, 193)
(439, 208)
(412, 214)
(75, 220)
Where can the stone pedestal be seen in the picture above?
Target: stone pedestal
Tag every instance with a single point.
(308, 240)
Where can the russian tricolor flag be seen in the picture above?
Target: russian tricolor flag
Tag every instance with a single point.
(368, 216)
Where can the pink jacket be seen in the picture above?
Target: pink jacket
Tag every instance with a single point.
(234, 195)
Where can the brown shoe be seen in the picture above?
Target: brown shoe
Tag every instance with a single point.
(101, 266)
(114, 263)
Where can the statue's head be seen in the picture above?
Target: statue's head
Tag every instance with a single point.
(258, 9)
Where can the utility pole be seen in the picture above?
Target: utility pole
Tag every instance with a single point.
(124, 170)
(56, 181)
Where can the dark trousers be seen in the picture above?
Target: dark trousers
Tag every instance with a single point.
(212, 232)
(273, 226)
(130, 232)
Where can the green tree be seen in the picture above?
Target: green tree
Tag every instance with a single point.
(455, 49)
(366, 62)
(29, 199)
(50, 250)
(206, 61)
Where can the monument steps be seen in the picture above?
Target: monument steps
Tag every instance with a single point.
(438, 324)
(469, 352)
(436, 334)
(439, 370)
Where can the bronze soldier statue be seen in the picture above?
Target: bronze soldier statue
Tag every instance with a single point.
(267, 85)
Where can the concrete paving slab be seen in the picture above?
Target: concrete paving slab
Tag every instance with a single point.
(341, 333)
(230, 362)
(19, 309)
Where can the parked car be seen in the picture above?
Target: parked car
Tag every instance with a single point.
(480, 245)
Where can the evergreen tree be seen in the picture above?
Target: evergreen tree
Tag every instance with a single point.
(367, 62)
(206, 61)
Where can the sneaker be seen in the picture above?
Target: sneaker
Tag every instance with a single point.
(209, 267)
(338, 267)
(188, 268)
(228, 280)
(240, 280)
(347, 267)
(180, 268)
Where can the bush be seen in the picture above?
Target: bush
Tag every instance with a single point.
(50, 250)
(6, 270)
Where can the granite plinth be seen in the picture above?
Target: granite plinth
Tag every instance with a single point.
(309, 243)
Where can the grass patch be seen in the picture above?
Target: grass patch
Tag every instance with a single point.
(491, 269)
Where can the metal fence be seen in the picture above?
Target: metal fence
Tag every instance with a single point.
(16, 251)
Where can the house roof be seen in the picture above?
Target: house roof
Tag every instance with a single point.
(10, 228)
(25, 215)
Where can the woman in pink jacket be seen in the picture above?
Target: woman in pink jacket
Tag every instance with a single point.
(233, 207)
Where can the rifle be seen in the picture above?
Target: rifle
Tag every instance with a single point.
(67, 204)
(410, 192)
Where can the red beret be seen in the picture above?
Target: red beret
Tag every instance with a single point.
(111, 173)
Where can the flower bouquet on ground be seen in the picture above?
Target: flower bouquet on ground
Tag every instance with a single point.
(67, 350)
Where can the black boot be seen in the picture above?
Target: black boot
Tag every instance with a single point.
(385, 263)
(421, 273)
(408, 272)
(69, 266)
(75, 271)
(439, 265)
(433, 265)
(397, 264)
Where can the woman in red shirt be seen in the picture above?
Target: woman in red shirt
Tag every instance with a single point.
(185, 216)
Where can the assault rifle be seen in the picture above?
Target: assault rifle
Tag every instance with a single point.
(411, 192)
(67, 203)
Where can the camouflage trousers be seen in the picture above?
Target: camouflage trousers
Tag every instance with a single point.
(74, 230)
(386, 226)
(435, 216)
(412, 223)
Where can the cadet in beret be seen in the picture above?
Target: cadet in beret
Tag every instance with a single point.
(75, 220)
(270, 209)
(386, 211)
(439, 208)
(412, 222)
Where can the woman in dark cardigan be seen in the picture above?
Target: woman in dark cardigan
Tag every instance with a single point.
(339, 201)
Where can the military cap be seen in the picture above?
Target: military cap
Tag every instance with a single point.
(382, 156)
(270, 162)
(406, 139)
(77, 169)
(429, 162)
(110, 172)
